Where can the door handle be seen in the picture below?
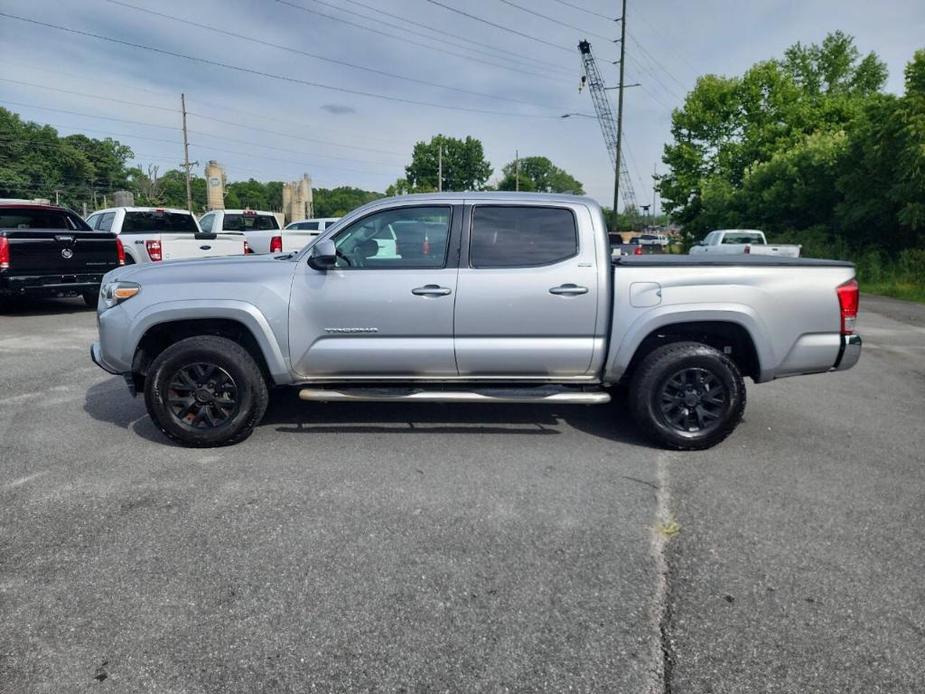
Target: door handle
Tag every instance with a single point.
(431, 290)
(568, 290)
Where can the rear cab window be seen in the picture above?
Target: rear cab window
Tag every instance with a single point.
(511, 236)
(249, 222)
(38, 218)
(157, 221)
(742, 237)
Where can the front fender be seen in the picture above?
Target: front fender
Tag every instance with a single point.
(241, 311)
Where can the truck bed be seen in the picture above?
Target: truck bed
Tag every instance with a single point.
(725, 261)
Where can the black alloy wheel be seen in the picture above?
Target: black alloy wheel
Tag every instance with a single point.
(693, 400)
(687, 395)
(202, 396)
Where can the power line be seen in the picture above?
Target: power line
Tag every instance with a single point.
(407, 40)
(505, 53)
(499, 26)
(218, 137)
(223, 108)
(88, 95)
(554, 20)
(584, 9)
(261, 73)
(656, 62)
(316, 56)
(92, 115)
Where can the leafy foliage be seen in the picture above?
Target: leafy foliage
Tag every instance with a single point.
(769, 149)
(464, 166)
(539, 174)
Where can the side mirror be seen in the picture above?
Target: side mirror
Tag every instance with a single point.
(323, 255)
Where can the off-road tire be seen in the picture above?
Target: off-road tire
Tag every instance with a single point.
(230, 358)
(647, 394)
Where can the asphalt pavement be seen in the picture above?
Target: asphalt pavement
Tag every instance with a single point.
(460, 548)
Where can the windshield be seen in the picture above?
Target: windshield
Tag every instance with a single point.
(29, 218)
(158, 221)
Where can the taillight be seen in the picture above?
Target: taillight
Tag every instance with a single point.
(637, 250)
(276, 244)
(154, 250)
(247, 248)
(120, 251)
(748, 250)
(4, 253)
(849, 297)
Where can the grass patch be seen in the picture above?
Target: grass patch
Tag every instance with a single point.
(898, 290)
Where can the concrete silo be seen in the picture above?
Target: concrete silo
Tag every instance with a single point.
(215, 186)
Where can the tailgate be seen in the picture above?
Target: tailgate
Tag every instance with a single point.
(61, 252)
(180, 246)
(295, 240)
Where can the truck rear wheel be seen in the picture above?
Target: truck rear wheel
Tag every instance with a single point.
(687, 396)
(205, 391)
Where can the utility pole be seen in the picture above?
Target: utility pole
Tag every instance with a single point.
(57, 200)
(616, 177)
(186, 162)
(654, 188)
(439, 167)
(516, 170)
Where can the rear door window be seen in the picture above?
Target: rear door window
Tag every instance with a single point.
(158, 221)
(511, 236)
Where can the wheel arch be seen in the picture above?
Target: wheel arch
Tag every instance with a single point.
(244, 325)
(731, 337)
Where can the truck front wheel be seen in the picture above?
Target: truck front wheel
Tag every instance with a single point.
(205, 391)
(687, 396)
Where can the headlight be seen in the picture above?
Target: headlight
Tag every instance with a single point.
(113, 293)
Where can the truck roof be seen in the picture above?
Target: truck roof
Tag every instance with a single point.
(171, 210)
(262, 212)
(32, 205)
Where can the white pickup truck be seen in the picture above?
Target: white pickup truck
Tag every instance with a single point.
(742, 241)
(155, 234)
(260, 228)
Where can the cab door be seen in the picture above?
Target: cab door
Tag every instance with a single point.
(386, 310)
(528, 294)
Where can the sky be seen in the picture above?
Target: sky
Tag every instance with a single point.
(342, 89)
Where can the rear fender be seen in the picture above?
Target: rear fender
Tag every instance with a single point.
(621, 352)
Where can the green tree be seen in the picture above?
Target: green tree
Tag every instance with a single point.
(541, 175)
(764, 148)
(464, 165)
(882, 177)
(336, 202)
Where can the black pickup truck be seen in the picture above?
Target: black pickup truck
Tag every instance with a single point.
(50, 251)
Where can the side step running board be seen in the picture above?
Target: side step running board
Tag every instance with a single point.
(486, 395)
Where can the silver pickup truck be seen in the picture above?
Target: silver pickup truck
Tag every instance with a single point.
(472, 297)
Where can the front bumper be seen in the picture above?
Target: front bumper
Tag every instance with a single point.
(96, 354)
(848, 353)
